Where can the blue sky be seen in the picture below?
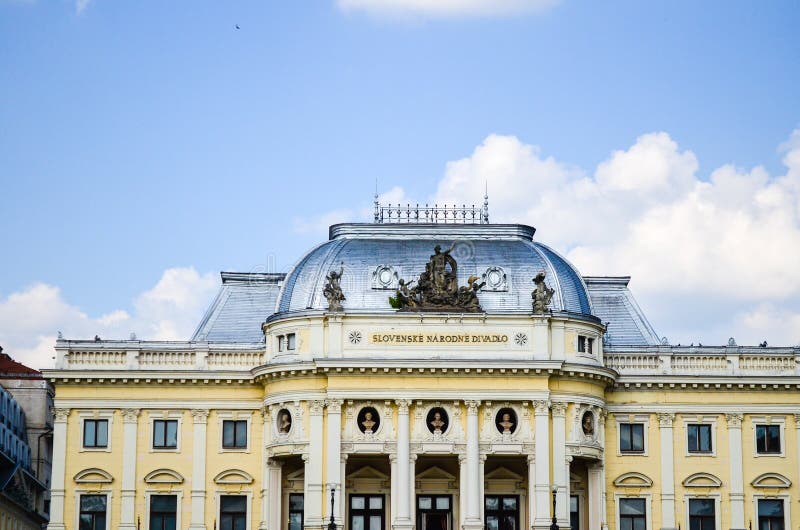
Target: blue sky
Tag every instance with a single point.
(144, 137)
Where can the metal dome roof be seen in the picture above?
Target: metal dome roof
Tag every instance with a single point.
(375, 256)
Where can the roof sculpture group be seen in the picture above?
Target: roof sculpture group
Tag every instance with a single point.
(437, 289)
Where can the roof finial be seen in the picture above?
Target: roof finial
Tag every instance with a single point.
(377, 206)
(486, 202)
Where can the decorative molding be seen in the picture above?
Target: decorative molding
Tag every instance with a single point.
(701, 480)
(130, 415)
(334, 405)
(61, 414)
(496, 279)
(402, 405)
(354, 337)
(734, 419)
(665, 419)
(385, 277)
(771, 480)
(315, 407)
(541, 407)
(93, 475)
(472, 406)
(633, 480)
(164, 476)
(233, 476)
(200, 415)
(559, 409)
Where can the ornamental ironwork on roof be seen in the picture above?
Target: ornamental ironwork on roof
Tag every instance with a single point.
(415, 213)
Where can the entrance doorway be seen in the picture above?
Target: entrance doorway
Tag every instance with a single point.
(434, 512)
(574, 513)
(367, 512)
(501, 512)
(296, 511)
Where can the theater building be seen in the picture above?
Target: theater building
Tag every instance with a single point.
(428, 371)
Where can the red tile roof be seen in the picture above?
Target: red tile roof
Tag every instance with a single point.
(11, 369)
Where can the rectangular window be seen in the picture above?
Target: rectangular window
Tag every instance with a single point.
(296, 510)
(699, 438)
(95, 433)
(93, 512)
(768, 439)
(585, 344)
(770, 514)
(165, 434)
(631, 437)
(501, 512)
(632, 514)
(233, 512)
(163, 512)
(234, 434)
(366, 512)
(290, 341)
(701, 514)
(281, 342)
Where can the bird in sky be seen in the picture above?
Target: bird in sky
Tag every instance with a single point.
(237, 26)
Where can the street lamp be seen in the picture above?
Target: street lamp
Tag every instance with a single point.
(332, 524)
(554, 524)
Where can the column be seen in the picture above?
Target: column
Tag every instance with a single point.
(482, 481)
(541, 488)
(560, 464)
(394, 490)
(200, 420)
(412, 473)
(265, 438)
(313, 468)
(130, 421)
(596, 508)
(462, 489)
(735, 458)
(472, 519)
(403, 519)
(58, 469)
(531, 488)
(667, 471)
(341, 511)
(274, 478)
(333, 468)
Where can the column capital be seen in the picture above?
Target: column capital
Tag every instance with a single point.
(61, 414)
(315, 407)
(200, 416)
(273, 463)
(130, 415)
(472, 405)
(665, 419)
(734, 420)
(462, 458)
(797, 420)
(559, 409)
(265, 413)
(541, 407)
(531, 459)
(402, 405)
(334, 405)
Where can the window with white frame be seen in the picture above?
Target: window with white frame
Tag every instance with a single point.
(165, 434)
(93, 512)
(699, 437)
(95, 433)
(702, 514)
(163, 512)
(768, 439)
(585, 344)
(233, 512)
(287, 342)
(632, 514)
(631, 437)
(770, 514)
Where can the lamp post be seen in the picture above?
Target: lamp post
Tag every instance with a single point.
(554, 524)
(332, 524)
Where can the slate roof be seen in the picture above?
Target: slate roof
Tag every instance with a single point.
(615, 306)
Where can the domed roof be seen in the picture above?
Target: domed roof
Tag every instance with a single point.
(375, 256)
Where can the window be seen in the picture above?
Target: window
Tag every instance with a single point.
(770, 514)
(699, 437)
(768, 439)
(163, 512)
(296, 510)
(281, 342)
(585, 344)
(631, 437)
(632, 514)
(366, 512)
(165, 434)
(95, 433)
(233, 512)
(234, 434)
(701, 514)
(574, 513)
(501, 512)
(287, 342)
(93, 512)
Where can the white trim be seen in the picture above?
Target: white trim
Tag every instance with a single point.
(701, 408)
(633, 418)
(768, 420)
(167, 415)
(80, 476)
(694, 480)
(648, 507)
(699, 420)
(154, 404)
(109, 495)
(758, 482)
(787, 507)
(107, 415)
(178, 504)
(717, 510)
(235, 415)
(249, 506)
(175, 477)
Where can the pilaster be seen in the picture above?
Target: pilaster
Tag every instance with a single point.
(734, 421)
(541, 488)
(472, 519)
(333, 470)
(314, 487)
(403, 520)
(57, 491)
(560, 462)
(199, 425)
(667, 451)
(130, 423)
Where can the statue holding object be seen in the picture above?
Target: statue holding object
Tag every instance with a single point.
(542, 295)
(332, 291)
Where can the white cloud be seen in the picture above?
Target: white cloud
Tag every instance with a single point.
(447, 8)
(31, 318)
(81, 5)
(319, 224)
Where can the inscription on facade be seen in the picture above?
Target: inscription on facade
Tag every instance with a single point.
(437, 338)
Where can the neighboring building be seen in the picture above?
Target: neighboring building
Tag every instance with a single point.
(25, 405)
(425, 405)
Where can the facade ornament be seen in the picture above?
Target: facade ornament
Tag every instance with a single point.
(542, 295)
(541, 407)
(368, 423)
(437, 423)
(559, 409)
(731, 342)
(332, 291)
(472, 406)
(734, 419)
(402, 405)
(284, 422)
(587, 423)
(384, 277)
(665, 419)
(130, 415)
(506, 423)
(437, 288)
(61, 414)
(334, 405)
(315, 407)
(200, 415)
(496, 279)
(265, 413)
